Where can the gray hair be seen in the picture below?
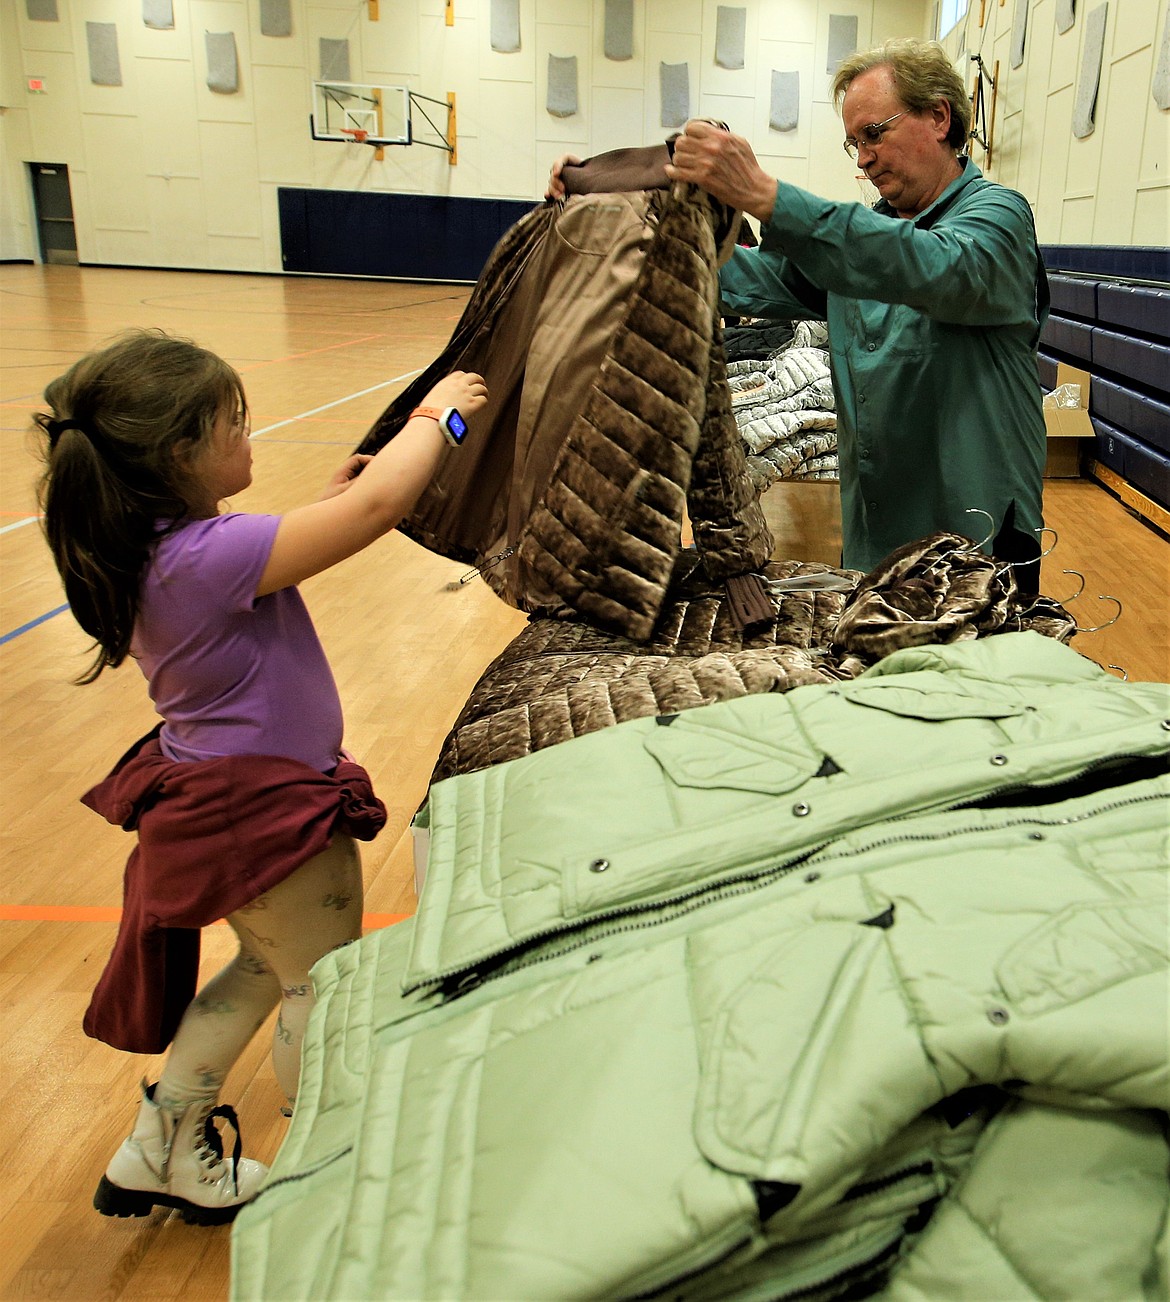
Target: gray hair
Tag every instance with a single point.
(923, 75)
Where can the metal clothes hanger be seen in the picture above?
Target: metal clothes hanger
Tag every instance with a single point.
(1098, 627)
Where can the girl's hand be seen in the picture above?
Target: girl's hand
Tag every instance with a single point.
(462, 389)
(346, 475)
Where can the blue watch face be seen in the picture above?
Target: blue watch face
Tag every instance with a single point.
(456, 426)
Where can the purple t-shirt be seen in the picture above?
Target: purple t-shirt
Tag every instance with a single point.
(230, 673)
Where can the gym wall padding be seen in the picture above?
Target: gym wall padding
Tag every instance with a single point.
(1111, 316)
(393, 236)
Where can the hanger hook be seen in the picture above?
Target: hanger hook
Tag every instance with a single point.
(1124, 675)
(978, 510)
(1064, 601)
(1098, 627)
(1055, 539)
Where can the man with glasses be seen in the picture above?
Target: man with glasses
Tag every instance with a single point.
(934, 299)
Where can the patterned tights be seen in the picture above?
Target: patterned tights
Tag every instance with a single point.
(282, 933)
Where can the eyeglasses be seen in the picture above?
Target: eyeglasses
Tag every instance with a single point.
(871, 135)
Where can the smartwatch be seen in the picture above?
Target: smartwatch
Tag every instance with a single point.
(453, 425)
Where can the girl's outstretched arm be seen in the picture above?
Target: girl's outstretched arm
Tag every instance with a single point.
(368, 496)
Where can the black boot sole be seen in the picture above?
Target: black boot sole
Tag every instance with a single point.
(112, 1200)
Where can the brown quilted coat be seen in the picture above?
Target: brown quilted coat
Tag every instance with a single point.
(595, 446)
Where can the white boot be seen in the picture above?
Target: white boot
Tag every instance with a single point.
(175, 1158)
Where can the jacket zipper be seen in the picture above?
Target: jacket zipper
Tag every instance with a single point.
(679, 905)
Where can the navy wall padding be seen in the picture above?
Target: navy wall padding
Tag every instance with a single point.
(1127, 409)
(1137, 359)
(1144, 467)
(1073, 338)
(1072, 296)
(1144, 309)
(1139, 262)
(1110, 446)
(394, 236)
(1128, 323)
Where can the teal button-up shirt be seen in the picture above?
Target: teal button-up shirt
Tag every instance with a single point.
(933, 327)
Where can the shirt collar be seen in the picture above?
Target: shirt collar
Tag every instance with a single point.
(928, 216)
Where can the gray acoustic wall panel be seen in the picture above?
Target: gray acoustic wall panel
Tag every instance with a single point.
(41, 11)
(159, 14)
(505, 27)
(842, 39)
(334, 58)
(275, 18)
(1085, 104)
(1019, 32)
(562, 86)
(619, 29)
(1066, 14)
(785, 110)
(730, 36)
(223, 70)
(675, 84)
(104, 66)
(1161, 83)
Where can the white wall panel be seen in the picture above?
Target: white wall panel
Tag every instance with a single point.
(618, 122)
(45, 36)
(390, 47)
(738, 111)
(230, 166)
(55, 117)
(116, 193)
(1076, 224)
(449, 62)
(1121, 148)
(178, 222)
(234, 253)
(681, 17)
(506, 138)
(788, 20)
(1151, 218)
(283, 141)
(166, 107)
(1053, 159)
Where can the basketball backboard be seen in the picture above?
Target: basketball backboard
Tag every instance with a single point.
(368, 114)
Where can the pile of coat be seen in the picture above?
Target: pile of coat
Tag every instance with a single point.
(857, 989)
(784, 405)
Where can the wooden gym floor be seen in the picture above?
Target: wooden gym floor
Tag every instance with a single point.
(320, 359)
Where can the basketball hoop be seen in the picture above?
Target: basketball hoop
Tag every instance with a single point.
(359, 136)
(870, 195)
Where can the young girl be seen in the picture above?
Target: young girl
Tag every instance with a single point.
(244, 803)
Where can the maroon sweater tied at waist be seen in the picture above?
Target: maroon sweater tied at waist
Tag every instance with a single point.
(212, 836)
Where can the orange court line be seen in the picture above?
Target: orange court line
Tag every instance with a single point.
(88, 913)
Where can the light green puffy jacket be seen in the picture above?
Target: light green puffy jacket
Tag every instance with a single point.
(851, 987)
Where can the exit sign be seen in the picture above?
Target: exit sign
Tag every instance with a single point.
(36, 86)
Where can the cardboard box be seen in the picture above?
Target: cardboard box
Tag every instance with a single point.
(1067, 427)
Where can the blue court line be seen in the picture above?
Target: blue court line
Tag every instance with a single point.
(32, 623)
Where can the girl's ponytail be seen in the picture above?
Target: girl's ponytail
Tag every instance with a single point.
(117, 474)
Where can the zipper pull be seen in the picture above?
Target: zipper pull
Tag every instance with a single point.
(456, 584)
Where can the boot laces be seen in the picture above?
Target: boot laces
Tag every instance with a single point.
(210, 1147)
